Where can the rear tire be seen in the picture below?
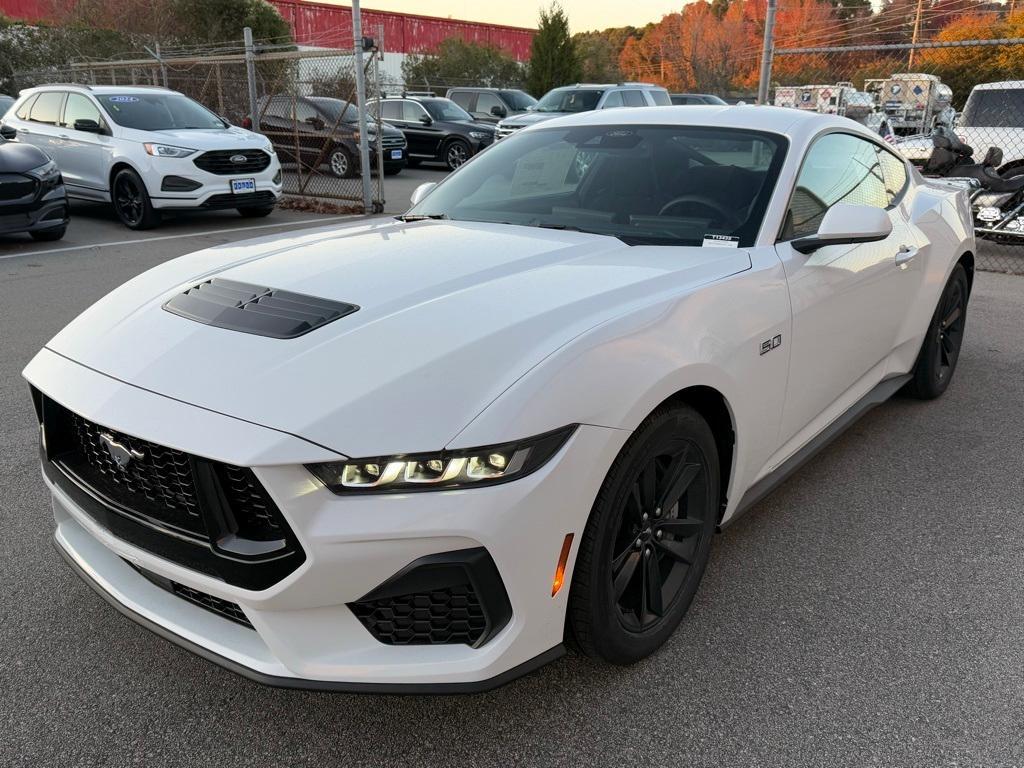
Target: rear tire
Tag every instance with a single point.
(256, 213)
(647, 542)
(341, 163)
(131, 201)
(940, 351)
(49, 235)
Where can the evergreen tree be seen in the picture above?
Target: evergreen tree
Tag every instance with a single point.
(554, 60)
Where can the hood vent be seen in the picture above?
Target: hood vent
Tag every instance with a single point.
(253, 309)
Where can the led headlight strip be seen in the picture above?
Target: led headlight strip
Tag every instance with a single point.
(444, 470)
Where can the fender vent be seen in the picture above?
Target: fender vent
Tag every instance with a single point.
(254, 309)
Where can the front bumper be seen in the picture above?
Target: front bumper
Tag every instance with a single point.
(214, 190)
(48, 211)
(304, 634)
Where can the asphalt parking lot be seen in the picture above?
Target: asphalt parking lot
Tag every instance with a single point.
(869, 613)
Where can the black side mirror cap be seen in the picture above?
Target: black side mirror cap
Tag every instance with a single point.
(88, 126)
(498, 111)
(425, 119)
(8, 132)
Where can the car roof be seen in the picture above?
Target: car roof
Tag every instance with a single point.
(607, 85)
(99, 90)
(789, 122)
(1004, 85)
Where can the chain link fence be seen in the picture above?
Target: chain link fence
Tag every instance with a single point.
(304, 101)
(971, 88)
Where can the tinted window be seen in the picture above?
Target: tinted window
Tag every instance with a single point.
(519, 100)
(335, 110)
(306, 112)
(23, 110)
(660, 98)
(485, 102)
(79, 108)
(412, 111)
(634, 99)
(6, 102)
(658, 185)
(569, 100)
(994, 108)
(614, 100)
(839, 168)
(159, 111)
(463, 98)
(391, 110)
(894, 171)
(443, 109)
(47, 108)
(279, 109)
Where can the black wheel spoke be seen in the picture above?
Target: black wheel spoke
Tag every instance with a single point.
(681, 475)
(625, 574)
(648, 490)
(681, 526)
(652, 585)
(952, 317)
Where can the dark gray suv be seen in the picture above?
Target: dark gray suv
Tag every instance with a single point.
(492, 104)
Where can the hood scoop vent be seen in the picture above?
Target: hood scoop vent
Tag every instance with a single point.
(253, 309)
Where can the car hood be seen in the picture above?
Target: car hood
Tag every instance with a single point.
(16, 157)
(203, 139)
(531, 118)
(450, 315)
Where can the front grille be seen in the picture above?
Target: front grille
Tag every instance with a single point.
(504, 131)
(392, 142)
(14, 186)
(209, 516)
(220, 162)
(231, 200)
(225, 608)
(449, 615)
(157, 481)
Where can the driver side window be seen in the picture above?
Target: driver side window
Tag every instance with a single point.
(838, 168)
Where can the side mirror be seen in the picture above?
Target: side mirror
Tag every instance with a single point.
(314, 121)
(845, 223)
(425, 119)
(88, 126)
(421, 191)
(499, 111)
(9, 132)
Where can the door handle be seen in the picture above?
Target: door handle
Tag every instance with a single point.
(24, 130)
(64, 136)
(905, 254)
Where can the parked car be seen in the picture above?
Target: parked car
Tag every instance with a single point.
(696, 98)
(421, 454)
(147, 150)
(6, 102)
(584, 97)
(435, 128)
(490, 105)
(32, 194)
(326, 131)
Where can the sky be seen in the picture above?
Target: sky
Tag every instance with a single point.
(583, 15)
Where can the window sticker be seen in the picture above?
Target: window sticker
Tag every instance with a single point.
(720, 241)
(123, 99)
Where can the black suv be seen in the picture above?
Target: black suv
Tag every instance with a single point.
(32, 195)
(326, 131)
(435, 128)
(491, 104)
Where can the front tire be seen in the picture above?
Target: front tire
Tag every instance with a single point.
(131, 201)
(647, 542)
(940, 351)
(456, 152)
(341, 164)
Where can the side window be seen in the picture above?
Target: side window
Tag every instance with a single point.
(391, 110)
(463, 98)
(279, 109)
(894, 172)
(634, 99)
(614, 100)
(487, 101)
(79, 107)
(304, 111)
(838, 168)
(660, 97)
(47, 108)
(412, 112)
(24, 109)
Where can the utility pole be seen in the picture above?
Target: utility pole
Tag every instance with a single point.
(250, 72)
(917, 31)
(364, 145)
(767, 53)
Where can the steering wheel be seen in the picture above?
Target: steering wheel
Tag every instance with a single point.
(724, 216)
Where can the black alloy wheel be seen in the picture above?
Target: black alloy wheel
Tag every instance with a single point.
(940, 351)
(131, 201)
(648, 539)
(456, 153)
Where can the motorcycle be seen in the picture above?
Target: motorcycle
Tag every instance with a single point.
(997, 201)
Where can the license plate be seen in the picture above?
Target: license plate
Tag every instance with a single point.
(243, 186)
(396, 154)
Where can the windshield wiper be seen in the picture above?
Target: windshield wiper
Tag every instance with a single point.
(423, 217)
(569, 228)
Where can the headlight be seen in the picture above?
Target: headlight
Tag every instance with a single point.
(163, 150)
(46, 172)
(444, 470)
(480, 135)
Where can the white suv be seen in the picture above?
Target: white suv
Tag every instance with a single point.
(147, 150)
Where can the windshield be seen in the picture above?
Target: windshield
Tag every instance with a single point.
(569, 100)
(5, 104)
(443, 109)
(158, 111)
(520, 101)
(994, 108)
(656, 185)
(336, 110)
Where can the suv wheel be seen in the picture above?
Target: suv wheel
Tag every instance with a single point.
(131, 201)
(340, 163)
(456, 153)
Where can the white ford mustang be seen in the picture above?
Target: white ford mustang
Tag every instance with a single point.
(424, 453)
